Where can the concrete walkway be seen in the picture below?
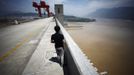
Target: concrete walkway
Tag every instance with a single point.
(40, 63)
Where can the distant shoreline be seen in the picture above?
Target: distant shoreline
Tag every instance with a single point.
(11, 21)
(77, 19)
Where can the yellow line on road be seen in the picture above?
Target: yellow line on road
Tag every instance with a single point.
(15, 48)
(18, 45)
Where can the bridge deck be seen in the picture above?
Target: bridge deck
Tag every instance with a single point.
(40, 63)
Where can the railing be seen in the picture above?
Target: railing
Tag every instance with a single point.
(76, 61)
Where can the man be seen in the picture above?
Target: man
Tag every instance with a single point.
(58, 39)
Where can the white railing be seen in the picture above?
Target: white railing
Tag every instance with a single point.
(77, 62)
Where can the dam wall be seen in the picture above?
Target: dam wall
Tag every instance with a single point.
(75, 60)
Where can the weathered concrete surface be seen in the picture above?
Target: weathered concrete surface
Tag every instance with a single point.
(40, 63)
(18, 42)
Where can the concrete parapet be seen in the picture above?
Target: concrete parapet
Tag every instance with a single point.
(75, 60)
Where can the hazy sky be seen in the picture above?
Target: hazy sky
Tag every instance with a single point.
(71, 7)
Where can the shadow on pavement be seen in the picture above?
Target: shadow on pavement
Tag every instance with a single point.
(65, 68)
(54, 59)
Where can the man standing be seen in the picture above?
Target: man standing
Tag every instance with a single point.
(58, 39)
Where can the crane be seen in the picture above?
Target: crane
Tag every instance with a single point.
(43, 5)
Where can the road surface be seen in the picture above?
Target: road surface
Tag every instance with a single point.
(18, 43)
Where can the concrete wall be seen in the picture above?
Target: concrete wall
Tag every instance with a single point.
(59, 13)
(75, 60)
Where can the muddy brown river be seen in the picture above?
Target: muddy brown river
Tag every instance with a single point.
(108, 43)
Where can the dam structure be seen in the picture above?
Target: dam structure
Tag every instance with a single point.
(76, 62)
(26, 48)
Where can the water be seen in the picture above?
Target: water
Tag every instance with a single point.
(108, 43)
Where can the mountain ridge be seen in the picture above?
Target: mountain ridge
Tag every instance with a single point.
(118, 13)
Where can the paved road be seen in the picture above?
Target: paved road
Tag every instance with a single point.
(18, 42)
(43, 60)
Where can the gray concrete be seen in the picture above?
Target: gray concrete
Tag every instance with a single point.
(27, 36)
(76, 61)
(59, 13)
(23, 40)
(40, 63)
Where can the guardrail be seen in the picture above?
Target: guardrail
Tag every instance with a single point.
(77, 62)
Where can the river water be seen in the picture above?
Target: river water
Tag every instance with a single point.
(108, 43)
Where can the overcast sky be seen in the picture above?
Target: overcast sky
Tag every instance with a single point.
(71, 7)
